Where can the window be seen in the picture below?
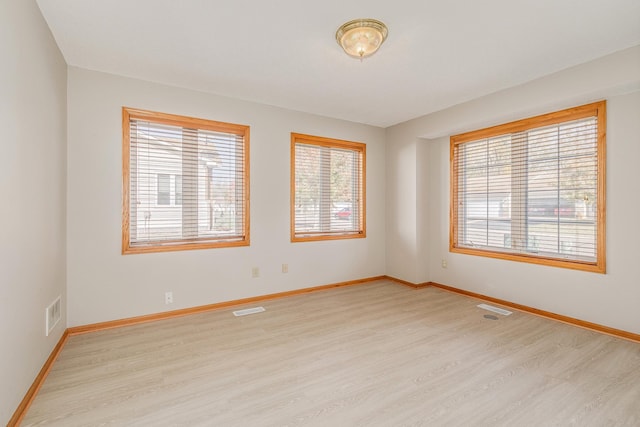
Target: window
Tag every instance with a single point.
(203, 164)
(327, 188)
(533, 190)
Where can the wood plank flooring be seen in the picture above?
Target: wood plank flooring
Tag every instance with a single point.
(377, 354)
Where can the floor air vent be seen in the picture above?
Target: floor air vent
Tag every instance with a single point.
(247, 311)
(495, 309)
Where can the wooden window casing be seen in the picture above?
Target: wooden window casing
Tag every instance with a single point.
(533, 190)
(328, 191)
(208, 160)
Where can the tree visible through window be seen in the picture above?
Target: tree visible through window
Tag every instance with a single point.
(533, 190)
(327, 188)
(185, 183)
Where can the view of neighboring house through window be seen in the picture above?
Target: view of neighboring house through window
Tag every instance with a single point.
(168, 185)
(186, 183)
(178, 190)
(164, 194)
(533, 190)
(328, 190)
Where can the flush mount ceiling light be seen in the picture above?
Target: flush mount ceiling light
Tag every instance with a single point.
(361, 37)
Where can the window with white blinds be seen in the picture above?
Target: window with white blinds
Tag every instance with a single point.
(533, 190)
(327, 188)
(185, 183)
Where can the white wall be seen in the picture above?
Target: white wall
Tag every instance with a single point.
(32, 184)
(407, 214)
(105, 285)
(402, 248)
(611, 299)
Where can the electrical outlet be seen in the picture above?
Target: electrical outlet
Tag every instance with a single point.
(444, 263)
(168, 297)
(285, 268)
(255, 272)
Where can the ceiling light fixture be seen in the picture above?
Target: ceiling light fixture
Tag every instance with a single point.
(361, 37)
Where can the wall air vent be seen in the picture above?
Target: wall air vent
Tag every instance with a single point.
(53, 313)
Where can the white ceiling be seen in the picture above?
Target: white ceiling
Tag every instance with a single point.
(283, 52)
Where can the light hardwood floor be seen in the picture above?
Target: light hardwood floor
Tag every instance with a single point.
(377, 354)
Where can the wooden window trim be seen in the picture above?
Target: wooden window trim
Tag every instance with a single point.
(597, 109)
(329, 143)
(129, 114)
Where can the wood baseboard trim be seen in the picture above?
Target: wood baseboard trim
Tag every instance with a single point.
(618, 333)
(21, 411)
(409, 284)
(77, 330)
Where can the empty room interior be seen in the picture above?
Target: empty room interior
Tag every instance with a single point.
(332, 214)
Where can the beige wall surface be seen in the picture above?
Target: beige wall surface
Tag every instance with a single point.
(33, 170)
(611, 299)
(105, 285)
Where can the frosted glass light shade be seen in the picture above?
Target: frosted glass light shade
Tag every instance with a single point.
(361, 37)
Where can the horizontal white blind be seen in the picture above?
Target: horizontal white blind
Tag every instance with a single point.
(328, 190)
(186, 185)
(531, 192)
